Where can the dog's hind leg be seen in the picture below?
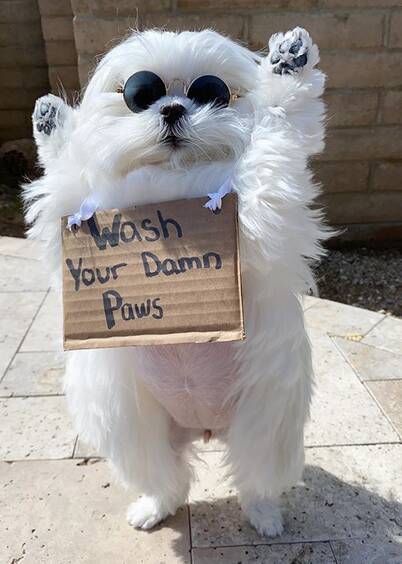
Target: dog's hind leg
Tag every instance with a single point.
(265, 439)
(115, 413)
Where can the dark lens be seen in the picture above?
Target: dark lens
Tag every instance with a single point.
(209, 89)
(142, 89)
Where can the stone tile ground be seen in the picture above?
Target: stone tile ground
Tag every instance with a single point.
(60, 505)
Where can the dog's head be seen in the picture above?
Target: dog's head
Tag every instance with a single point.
(170, 99)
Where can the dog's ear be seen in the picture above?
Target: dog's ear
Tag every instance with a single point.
(106, 75)
(103, 79)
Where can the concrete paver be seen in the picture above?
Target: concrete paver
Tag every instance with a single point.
(22, 275)
(64, 512)
(347, 492)
(340, 319)
(342, 411)
(300, 553)
(369, 362)
(387, 335)
(83, 450)
(17, 312)
(368, 551)
(34, 374)
(19, 248)
(389, 396)
(35, 427)
(46, 331)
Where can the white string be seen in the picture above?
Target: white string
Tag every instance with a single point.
(86, 211)
(215, 198)
(91, 204)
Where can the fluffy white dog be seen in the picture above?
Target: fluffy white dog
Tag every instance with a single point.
(179, 115)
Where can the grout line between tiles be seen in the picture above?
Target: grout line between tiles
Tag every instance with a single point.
(24, 291)
(75, 447)
(381, 380)
(41, 352)
(373, 327)
(345, 445)
(363, 383)
(27, 396)
(345, 357)
(190, 534)
(100, 458)
(279, 543)
(24, 336)
(61, 459)
(333, 552)
(329, 445)
(28, 259)
(380, 407)
(369, 345)
(91, 457)
(34, 351)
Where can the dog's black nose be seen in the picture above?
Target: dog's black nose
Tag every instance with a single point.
(172, 113)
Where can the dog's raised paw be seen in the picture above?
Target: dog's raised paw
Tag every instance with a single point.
(145, 513)
(265, 516)
(292, 51)
(47, 114)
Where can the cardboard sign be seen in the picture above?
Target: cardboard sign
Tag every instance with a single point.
(152, 275)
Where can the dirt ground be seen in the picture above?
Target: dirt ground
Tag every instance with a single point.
(363, 277)
(16, 167)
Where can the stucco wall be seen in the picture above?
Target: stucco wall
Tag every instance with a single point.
(58, 35)
(23, 66)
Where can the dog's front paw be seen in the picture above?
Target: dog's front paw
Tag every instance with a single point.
(292, 51)
(265, 516)
(146, 512)
(48, 114)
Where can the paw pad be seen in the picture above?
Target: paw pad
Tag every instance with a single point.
(45, 117)
(289, 52)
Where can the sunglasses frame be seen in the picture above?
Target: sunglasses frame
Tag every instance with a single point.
(185, 87)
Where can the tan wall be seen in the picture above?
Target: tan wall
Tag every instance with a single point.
(57, 27)
(361, 52)
(23, 68)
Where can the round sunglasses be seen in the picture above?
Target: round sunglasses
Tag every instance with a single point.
(144, 88)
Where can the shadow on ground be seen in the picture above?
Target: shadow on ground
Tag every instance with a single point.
(322, 508)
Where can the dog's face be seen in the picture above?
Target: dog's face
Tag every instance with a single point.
(170, 99)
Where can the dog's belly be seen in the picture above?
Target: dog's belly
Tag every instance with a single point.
(193, 382)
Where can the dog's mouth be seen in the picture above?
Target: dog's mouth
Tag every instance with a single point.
(173, 141)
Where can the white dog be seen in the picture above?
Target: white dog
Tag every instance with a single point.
(179, 115)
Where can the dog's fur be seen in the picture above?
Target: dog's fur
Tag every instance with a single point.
(262, 142)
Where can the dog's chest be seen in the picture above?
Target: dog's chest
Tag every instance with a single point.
(193, 382)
